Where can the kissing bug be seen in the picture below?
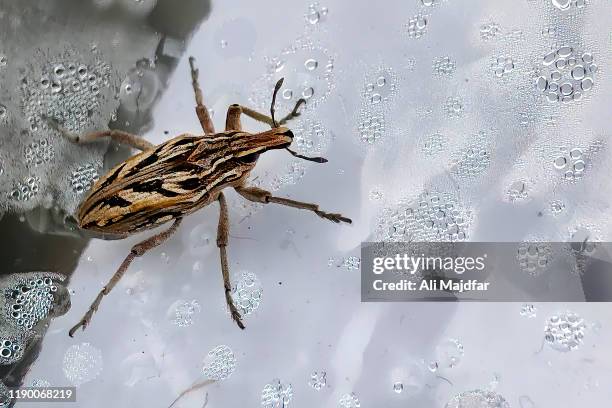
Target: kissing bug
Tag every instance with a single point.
(173, 179)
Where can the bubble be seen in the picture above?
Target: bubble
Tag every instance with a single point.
(276, 394)
(518, 190)
(478, 399)
(566, 89)
(528, 310)
(3, 60)
(83, 177)
(564, 52)
(566, 71)
(184, 311)
(349, 401)
(31, 302)
(398, 387)
(416, 220)
(40, 383)
(564, 332)
(316, 13)
(502, 65)
(82, 363)
(371, 126)
(489, 31)
(561, 4)
(287, 94)
(26, 189)
(557, 207)
(578, 72)
(534, 257)
(453, 107)
(375, 195)
(350, 263)
(311, 64)
(247, 293)
(416, 26)
(318, 380)
(444, 66)
(433, 144)
(307, 93)
(586, 84)
(220, 363)
(300, 65)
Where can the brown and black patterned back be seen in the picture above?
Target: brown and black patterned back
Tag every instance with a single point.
(172, 180)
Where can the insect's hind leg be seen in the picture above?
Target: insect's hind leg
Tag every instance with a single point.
(259, 195)
(119, 136)
(201, 110)
(137, 251)
(222, 239)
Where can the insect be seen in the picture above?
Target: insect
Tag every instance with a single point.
(164, 183)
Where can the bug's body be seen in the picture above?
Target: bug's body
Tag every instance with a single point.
(173, 179)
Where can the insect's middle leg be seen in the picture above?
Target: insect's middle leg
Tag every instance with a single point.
(137, 251)
(201, 110)
(222, 239)
(259, 195)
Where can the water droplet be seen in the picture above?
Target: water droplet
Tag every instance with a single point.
(578, 72)
(82, 363)
(564, 52)
(398, 387)
(561, 4)
(528, 310)
(220, 363)
(349, 401)
(541, 84)
(307, 93)
(276, 394)
(311, 64)
(566, 89)
(287, 94)
(318, 380)
(565, 332)
(478, 399)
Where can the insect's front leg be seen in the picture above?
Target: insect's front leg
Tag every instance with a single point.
(119, 136)
(137, 251)
(201, 110)
(232, 121)
(259, 195)
(222, 239)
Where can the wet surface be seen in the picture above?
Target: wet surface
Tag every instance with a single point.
(441, 120)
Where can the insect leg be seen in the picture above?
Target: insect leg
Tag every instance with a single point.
(232, 119)
(137, 251)
(222, 238)
(201, 110)
(260, 117)
(262, 196)
(119, 136)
